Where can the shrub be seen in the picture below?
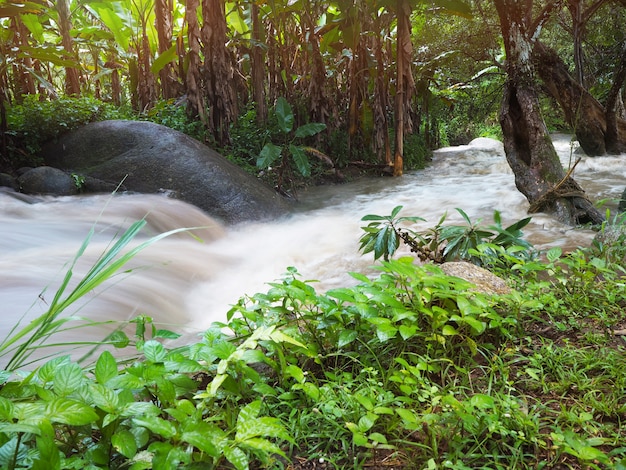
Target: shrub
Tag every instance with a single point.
(35, 122)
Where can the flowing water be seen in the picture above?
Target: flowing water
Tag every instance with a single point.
(186, 283)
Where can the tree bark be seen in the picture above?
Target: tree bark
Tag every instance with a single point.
(193, 79)
(257, 56)
(219, 74)
(530, 153)
(404, 82)
(170, 87)
(583, 112)
(72, 79)
(613, 144)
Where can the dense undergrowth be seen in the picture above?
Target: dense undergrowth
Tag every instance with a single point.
(409, 369)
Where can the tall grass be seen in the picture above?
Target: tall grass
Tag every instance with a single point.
(23, 340)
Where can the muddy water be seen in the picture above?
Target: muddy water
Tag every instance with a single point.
(186, 282)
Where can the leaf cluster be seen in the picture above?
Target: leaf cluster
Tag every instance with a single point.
(290, 151)
(442, 242)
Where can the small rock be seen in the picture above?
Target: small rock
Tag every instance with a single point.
(485, 281)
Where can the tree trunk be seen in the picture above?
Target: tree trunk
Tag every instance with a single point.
(257, 56)
(193, 80)
(582, 111)
(170, 87)
(404, 81)
(72, 79)
(382, 145)
(317, 99)
(218, 71)
(613, 144)
(530, 153)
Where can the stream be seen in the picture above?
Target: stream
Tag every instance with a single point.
(187, 282)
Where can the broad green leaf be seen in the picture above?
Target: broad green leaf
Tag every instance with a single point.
(263, 445)
(249, 412)
(203, 441)
(157, 425)
(367, 421)
(409, 417)
(280, 337)
(6, 409)
(377, 437)
(106, 367)
(449, 330)
(373, 217)
(166, 334)
(237, 457)
(113, 21)
(124, 442)
(165, 58)
(310, 129)
(589, 453)
(67, 379)
(72, 412)
(19, 8)
(475, 324)
(105, 398)
(53, 56)
(386, 332)
(301, 160)
(154, 351)
(264, 426)
(269, 154)
(295, 372)
(366, 402)
(346, 337)
(482, 401)
(34, 25)
(140, 408)
(126, 381)
(47, 371)
(311, 390)
(407, 331)
(554, 254)
(284, 114)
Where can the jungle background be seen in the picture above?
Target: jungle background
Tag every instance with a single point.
(409, 369)
(389, 80)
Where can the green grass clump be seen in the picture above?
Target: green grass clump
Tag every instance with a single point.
(410, 368)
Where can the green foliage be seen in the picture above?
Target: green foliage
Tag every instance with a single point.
(35, 122)
(174, 115)
(442, 242)
(382, 235)
(409, 364)
(272, 153)
(248, 138)
(416, 152)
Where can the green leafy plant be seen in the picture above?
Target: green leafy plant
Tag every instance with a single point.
(383, 233)
(442, 242)
(34, 122)
(289, 151)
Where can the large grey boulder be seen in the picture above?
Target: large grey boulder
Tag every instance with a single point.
(150, 158)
